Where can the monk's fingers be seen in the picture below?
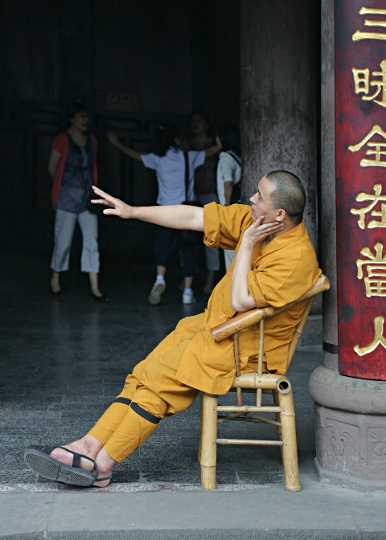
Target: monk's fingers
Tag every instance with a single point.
(98, 191)
(111, 212)
(273, 226)
(258, 225)
(105, 196)
(259, 221)
(102, 201)
(266, 231)
(259, 231)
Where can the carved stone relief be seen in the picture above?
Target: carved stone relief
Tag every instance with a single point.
(342, 445)
(376, 449)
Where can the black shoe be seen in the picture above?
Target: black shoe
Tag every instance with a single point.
(102, 298)
(56, 294)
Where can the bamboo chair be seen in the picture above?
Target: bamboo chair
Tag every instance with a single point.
(278, 386)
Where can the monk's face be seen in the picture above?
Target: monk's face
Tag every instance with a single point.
(262, 203)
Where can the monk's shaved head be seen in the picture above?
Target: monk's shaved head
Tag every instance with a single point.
(289, 194)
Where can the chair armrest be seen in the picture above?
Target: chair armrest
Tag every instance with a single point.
(254, 316)
(239, 322)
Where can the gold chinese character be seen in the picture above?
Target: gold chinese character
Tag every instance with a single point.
(357, 36)
(362, 211)
(375, 282)
(377, 340)
(362, 83)
(378, 151)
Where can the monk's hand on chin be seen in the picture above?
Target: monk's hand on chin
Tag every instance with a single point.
(259, 230)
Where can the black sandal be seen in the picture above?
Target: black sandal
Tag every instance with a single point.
(39, 459)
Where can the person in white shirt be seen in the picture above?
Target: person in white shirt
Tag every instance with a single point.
(169, 163)
(228, 175)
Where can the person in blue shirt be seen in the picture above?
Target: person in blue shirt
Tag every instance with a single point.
(169, 163)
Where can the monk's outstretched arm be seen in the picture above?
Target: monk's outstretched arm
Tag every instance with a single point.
(177, 216)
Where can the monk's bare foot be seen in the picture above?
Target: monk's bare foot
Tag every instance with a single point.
(105, 466)
(88, 446)
(103, 483)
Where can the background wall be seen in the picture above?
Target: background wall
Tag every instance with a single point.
(136, 64)
(279, 101)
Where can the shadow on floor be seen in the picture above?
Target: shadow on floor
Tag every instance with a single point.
(62, 362)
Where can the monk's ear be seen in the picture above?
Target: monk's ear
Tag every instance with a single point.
(280, 214)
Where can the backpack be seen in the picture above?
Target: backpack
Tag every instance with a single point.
(236, 192)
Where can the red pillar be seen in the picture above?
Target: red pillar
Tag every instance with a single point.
(350, 388)
(360, 128)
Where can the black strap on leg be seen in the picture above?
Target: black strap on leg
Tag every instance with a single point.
(146, 415)
(122, 400)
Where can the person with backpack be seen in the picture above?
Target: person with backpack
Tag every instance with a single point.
(202, 137)
(175, 176)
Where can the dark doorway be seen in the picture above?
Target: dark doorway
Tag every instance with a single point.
(136, 64)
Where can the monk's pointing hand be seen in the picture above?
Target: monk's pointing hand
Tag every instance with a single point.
(117, 207)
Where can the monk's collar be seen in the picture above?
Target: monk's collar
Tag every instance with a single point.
(284, 239)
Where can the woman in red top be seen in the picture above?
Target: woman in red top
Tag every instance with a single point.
(72, 165)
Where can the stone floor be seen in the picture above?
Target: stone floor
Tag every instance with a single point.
(63, 361)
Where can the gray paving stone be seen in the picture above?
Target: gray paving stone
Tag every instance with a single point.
(38, 422)
(41, 403)
(46, 390)
(14, 437)
(6, 421)
(22, 475)
(11, 459)
(125, 476)
(132, 463)
(8, 408)
(164, 462)
(64, 434)
(80, 399)
(192, 477)
(67, 361)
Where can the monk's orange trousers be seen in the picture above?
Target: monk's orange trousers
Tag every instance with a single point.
(152, 388)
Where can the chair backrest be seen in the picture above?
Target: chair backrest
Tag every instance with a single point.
(299, 330)
(254, 316)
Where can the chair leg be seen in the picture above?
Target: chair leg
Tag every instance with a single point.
(288, 436)
(208, 444)
(275, 395)
(201, 421)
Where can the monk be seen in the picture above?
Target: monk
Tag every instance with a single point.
(275, 264)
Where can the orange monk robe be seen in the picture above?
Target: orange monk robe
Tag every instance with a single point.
(281, 272)
(188, 359)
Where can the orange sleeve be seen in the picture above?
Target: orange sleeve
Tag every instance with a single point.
(224, 225)
(284, 278)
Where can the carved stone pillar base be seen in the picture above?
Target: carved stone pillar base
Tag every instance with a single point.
(350, 430)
